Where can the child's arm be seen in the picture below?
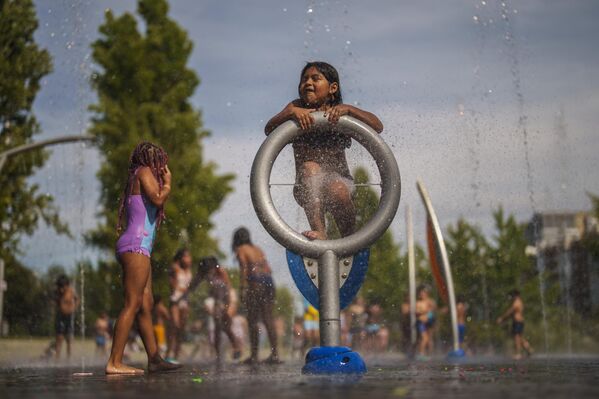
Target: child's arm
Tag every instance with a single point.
(345, 109)
(504, 316)
(149, 185)
(294, 111)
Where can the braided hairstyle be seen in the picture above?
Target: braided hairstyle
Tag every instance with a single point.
(155, 158)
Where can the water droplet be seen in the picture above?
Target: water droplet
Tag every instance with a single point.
(475, 18)
(52, 34)
(484, 3)
(310, 11)
(348, 42)
(228, 103)
(284, 10)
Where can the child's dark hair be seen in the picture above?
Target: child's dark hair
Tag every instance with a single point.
(180, 254)
(155, 158)
(330, 73)
(206, 264)
(62, 281)
(241, 236)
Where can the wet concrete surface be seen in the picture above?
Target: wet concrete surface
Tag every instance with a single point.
(393, 378)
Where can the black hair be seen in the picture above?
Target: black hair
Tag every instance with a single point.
(459, 298)
(157, 299)
(180, 253)
(241, 236)
(514, 293)
(330, 73)
(421, 288)
(62, 281)
(206, 264)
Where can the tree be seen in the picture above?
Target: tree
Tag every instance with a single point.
(143, 89)
(22, 66)
(386, 280)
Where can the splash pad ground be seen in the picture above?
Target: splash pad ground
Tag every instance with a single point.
(388, 376)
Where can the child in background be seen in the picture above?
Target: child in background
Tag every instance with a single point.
(147, 189)
(180, 277)
(66, 304)
(324, 182)
(298, 340)
(257, 292)
(101, 327)
(311, 328)
(516, 312)
(461, 308)
(220, 290)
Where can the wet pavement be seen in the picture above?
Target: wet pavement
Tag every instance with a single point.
(393, 378)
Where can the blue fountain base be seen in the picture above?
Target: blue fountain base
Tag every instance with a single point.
(456, 355)
(333, 360)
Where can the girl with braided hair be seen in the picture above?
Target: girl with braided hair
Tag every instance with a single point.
(147, 189)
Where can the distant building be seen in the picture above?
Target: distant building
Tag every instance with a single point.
(557, 239)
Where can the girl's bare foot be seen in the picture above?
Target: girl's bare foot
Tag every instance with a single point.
(112, 369)
(314, 235)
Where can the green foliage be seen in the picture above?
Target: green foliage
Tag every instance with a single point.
(386, 280)
(22, 66)
(143, 89)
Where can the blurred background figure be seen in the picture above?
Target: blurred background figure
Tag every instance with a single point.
(66, 304)
(180, 276)
(257, 290)
(377, 335)
(356, 322)
(311, 328)
(101, 329)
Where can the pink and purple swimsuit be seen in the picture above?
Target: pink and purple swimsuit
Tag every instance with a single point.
(141, 226)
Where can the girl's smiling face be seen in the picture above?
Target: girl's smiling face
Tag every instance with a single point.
(314, 89)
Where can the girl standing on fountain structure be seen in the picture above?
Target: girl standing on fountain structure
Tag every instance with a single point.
(324, 182)
(147, 189)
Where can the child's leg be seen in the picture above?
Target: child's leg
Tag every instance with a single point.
(136, 269)
(252, 324)
(68, 340)
(228, 329)
(267, 319)
(339, 203)
(172, 330)
(309, 195)
(518, 344)
(59, 339)
(144, 321)
(183, 316)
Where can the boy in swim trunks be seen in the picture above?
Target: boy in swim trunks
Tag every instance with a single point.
(257, 292)
(516, 312)
(66, 304)
(323, 180)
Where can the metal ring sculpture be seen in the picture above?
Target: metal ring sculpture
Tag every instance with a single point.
(282, 232)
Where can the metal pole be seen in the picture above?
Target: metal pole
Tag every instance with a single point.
(328, 292)
(32, 146)
(411, 274)
(2, 288)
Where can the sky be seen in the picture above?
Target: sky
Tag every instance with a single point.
(489, 103)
